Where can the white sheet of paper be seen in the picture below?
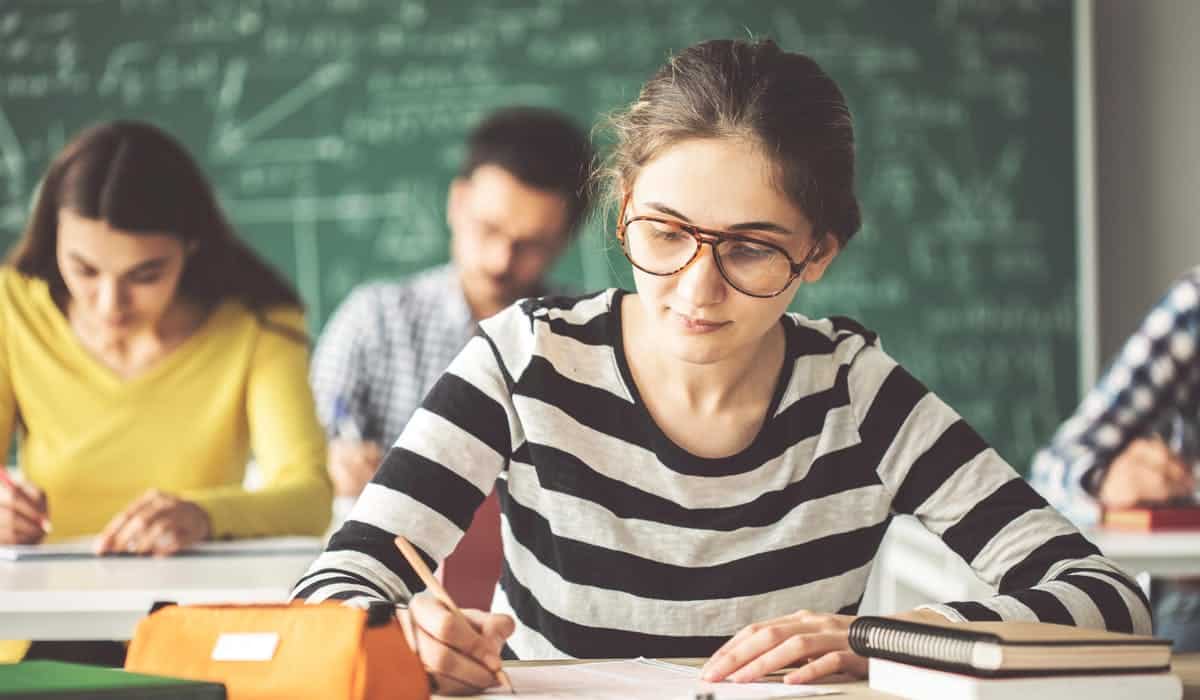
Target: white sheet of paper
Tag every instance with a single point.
(638, 679)
(81, 547)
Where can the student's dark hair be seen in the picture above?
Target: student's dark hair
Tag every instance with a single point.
(540, 147)
(136, 178)
(782, 102)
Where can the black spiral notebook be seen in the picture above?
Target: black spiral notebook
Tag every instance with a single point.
(1007, 648)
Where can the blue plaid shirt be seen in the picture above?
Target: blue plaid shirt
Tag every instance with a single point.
(385, 346)
(1153, 387)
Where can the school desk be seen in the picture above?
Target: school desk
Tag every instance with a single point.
(1186, 666)
(104, 597)
(1160, 554)
(915, 567)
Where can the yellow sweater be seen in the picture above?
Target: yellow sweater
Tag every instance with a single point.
(187, 426)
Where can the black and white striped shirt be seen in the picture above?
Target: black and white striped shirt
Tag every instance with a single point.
(618, 543)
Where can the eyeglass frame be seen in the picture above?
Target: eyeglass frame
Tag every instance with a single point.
(712, 237)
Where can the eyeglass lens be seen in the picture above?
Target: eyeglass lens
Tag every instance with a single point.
(663, 248)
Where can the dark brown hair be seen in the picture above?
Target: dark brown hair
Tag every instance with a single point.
(782, 102)
(540, 147)
(136, 178)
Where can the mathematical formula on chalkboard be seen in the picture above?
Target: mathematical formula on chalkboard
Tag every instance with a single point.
(333, 127)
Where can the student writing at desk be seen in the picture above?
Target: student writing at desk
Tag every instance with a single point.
(689, 470)
(145, 353)
(518, 198)
(1135, 439)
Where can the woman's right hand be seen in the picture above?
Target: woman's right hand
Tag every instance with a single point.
(1146, 471)
(23, 509)
(461, 656)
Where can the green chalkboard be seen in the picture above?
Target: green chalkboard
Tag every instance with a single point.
(332, 128)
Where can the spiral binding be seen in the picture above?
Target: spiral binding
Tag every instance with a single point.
(894, 640)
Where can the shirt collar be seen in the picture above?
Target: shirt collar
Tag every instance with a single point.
(457, 309)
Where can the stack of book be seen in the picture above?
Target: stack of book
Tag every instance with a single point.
(1154, 518)
(1012, 660)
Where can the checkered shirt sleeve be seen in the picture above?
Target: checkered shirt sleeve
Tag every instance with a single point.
(340, 366)
(1150, 387)
(385, 347)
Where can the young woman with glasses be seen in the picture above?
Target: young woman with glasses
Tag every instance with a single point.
(690, 470)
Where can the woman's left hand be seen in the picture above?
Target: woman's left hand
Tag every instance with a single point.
(157, 523)
(817, 642)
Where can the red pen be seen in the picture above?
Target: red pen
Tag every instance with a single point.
(4, 477)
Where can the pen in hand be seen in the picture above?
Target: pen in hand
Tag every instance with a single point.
(435, 587)
(17, 489)
(352, 459)
(343, 423)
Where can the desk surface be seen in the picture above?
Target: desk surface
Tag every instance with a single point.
(1186, 666)
(1165, 554)
(104, 597)
(1159, 553)
(1133, 544)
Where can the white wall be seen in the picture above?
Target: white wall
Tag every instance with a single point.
(1147, 92)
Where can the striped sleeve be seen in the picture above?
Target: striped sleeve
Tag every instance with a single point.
(430, 482)
(937, 468)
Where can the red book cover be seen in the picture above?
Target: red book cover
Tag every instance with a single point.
(1150, 519)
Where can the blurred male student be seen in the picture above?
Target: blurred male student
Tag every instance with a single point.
(514, 206)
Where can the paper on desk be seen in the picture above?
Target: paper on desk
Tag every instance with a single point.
(638, 679)
(79, 548)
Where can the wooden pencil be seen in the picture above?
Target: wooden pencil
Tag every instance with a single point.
(435, 587)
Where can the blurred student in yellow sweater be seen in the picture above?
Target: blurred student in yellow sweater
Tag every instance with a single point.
(145, 354)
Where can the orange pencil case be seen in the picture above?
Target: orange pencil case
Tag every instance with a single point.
(282, 652)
